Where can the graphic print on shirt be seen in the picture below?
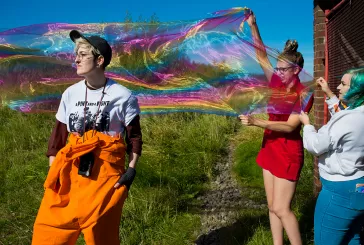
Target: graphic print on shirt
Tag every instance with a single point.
(78, 119)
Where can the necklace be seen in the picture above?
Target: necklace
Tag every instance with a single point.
(92, 87)
(97, 112)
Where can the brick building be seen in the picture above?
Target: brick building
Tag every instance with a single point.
(338, 46)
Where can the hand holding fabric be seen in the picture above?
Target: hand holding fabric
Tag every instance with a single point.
(247, 120)
(305, 120)
(251, 20)
(324, 87)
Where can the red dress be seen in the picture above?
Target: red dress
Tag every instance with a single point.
(282, 153)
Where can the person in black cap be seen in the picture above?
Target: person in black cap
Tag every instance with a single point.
(87, 183)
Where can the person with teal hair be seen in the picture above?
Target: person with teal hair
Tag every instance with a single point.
(355, 96)
(339, 212)
(334, 103)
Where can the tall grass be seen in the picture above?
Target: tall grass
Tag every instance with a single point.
(23, 167)
(178, 154)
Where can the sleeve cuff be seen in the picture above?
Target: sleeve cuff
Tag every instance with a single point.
(332, 101)
(51, 152)
(309, 128)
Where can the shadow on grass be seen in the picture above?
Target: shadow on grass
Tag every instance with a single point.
(306, 221)
(244, 229)
(238, 233)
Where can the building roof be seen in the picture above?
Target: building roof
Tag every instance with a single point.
(326, 4)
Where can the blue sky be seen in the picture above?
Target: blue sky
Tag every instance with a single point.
(278, 20)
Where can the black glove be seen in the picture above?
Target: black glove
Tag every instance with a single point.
(127, 178)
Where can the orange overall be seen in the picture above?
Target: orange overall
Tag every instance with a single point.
(73, 203)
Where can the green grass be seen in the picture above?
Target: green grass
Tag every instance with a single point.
(177, 161)
(248, 142)
(178, 154)
(23, 166)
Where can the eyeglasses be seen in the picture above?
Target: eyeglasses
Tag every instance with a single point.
(282, 69)
(82, 56)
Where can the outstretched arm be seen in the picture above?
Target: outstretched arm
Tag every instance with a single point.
(260, 50)
(280, 126)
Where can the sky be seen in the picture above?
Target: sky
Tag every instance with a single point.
(278, 20)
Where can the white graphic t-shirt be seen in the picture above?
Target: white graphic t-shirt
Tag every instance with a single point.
(117, 108)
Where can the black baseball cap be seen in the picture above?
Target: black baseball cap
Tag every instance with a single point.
(97, 42)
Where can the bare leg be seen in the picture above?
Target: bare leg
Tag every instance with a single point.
(283, 193)
(275, 223)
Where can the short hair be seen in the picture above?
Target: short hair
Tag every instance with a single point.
(355, 95)
(81, 41)
(291, 55)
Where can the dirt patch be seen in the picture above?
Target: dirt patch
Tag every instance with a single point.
(222, 202)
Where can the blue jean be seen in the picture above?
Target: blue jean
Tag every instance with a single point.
(339, 213)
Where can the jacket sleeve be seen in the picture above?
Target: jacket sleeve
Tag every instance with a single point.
(316, 143)
(333, 105)
(133, 137)
(58, 139)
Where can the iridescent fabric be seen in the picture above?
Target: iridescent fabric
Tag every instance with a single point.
(206, 66)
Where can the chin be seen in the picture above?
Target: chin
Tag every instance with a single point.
(81, 73)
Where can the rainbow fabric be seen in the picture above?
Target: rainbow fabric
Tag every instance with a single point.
(206, 66)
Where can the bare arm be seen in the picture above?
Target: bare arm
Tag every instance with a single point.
(325, 87)
(51, 159)
(280, 126)
(260, 50)
(331, 100)
(133, 159)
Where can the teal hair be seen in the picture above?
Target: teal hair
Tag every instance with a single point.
(355, 95)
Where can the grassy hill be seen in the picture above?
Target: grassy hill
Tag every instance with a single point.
(178, 154)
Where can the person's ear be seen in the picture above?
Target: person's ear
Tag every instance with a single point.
(297, 70)
(100, 61)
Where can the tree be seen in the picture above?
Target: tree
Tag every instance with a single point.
(127, 21)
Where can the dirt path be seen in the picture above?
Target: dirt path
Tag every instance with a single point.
(222, 202)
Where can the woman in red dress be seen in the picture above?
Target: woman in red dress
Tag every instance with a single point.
(281, 155)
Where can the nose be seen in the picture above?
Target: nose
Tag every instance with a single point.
(77, 59)
(338, 87)
(278, 73)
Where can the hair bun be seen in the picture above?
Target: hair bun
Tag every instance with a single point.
(291, 46)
